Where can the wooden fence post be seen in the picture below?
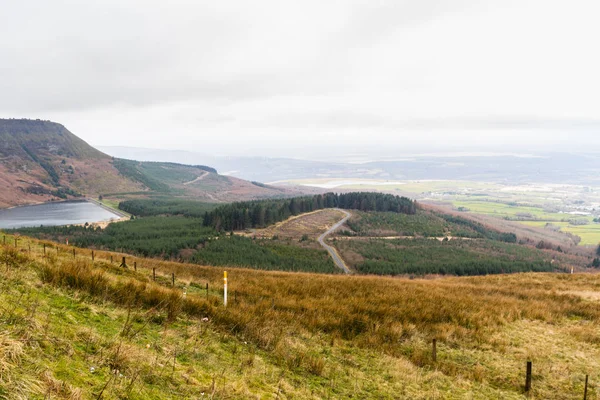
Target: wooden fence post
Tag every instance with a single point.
(73, 252)
(123, 263)
(173, 274)
(92, 255)
(44, 249)
(154, 274)
(135, 266)
(16, 242)
(207, 290)
(586, 386)
(111, 261)
(528, 378)
(434, 350)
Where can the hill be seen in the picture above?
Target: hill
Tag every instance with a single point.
(42, 161)
(73, 326)
(282, 234)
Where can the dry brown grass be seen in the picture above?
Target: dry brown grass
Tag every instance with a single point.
(311, 224)
(485, 326)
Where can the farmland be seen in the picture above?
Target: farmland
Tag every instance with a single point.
(527, 203)
(536, 216)
(76, 329)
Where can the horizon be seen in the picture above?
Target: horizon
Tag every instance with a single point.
(385, 78)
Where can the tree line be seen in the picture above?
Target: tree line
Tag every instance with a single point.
(262, 213)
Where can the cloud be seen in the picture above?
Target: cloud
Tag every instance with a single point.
(237, 73)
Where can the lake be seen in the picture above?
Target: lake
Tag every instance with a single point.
(49, 214)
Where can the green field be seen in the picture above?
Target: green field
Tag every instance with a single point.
(590, 234)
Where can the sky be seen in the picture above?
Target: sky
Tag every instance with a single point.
(299, 78)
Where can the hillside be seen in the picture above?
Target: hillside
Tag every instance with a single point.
(282, 234)
(73, 327)
(42, 161)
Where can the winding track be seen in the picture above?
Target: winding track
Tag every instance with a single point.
(197, 179)
(332, 251)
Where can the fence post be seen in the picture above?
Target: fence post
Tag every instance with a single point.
(528, 378)
(111, 261)
(135, 266)
(207, 290)
(92, 255)
(434, 350)
(16, 242)
(586, 386)
(123, 263)
(173, 276)
(44, 249)
(154, 273)
(30, 249)
(225, 288)
(73, 252)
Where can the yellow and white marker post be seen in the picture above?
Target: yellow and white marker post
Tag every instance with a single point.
(225, 288)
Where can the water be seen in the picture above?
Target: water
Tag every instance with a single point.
(49, 214)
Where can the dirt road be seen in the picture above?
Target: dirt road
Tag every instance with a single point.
(332, 251)
(196, 180)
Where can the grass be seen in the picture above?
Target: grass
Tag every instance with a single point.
(589, 234)
(311, 224)
(286, 335)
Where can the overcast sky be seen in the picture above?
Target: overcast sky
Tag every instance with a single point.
(283, 77)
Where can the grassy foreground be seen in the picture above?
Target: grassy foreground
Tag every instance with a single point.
(73, 329)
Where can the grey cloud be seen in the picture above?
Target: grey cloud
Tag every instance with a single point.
(238, 70)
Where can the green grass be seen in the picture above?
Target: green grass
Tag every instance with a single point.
(287, 336)
(183, 238)
(590, 234)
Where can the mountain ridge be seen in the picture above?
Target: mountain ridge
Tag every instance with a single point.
(43, 161)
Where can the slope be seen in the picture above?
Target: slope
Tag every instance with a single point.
(42, 161)
(77, 327)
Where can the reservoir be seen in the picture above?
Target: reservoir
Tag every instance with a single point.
(51, 214)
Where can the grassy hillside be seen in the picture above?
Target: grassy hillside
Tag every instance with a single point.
(182, 238)
(42, 161)
(70, 328)
(291, 245)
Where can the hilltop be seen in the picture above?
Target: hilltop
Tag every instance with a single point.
(42, 161)
(81, 327)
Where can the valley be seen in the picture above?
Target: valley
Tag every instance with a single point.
(570, 208)
(337, 288)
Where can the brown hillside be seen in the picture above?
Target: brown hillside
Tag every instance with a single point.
(42, 161)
